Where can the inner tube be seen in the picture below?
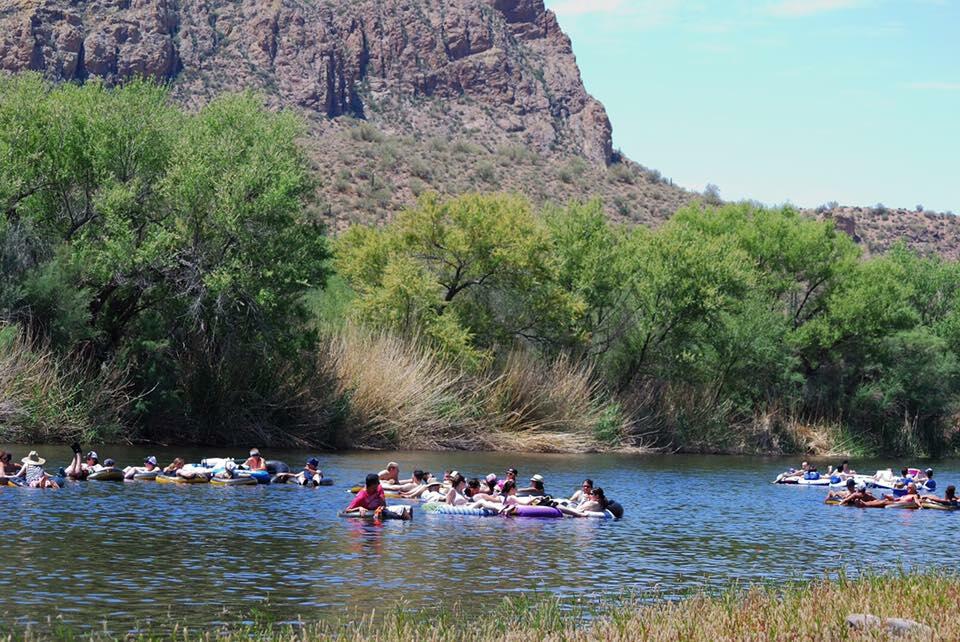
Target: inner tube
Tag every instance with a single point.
(107, 474)
(404, 513)
(234, 481)
(146, 476)
(177, 479)
(903, 505)
(615, 509)
(258, 476)
(438, 508)
(537, 511)
(931, 505)
(275, 466)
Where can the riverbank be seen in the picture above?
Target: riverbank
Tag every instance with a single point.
(815, 610)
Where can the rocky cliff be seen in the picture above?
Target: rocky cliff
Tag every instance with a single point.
(402, 96)
(499, 65)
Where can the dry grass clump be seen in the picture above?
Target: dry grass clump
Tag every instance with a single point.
(45, 398)
(812, 611)
(400, 395)
(552, 407)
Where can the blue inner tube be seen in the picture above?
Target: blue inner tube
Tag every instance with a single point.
(616, 509)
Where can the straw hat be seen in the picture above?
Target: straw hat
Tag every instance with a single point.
(34, 459)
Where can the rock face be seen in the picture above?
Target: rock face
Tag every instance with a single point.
(502, 67)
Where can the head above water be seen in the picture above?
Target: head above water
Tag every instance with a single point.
(929, 473)
(92, 456)
(951, 492)
(851, 484)
(587, 485)
(512, 473)
(372, 482)
(419, 475)
(904, 472)
(457, 480)
(393, 466)
(313, 462)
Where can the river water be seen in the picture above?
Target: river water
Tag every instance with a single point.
(140, 552)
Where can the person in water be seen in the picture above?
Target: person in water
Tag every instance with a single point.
(179, 468)
(511, 475)
(229, 470)
(8, 468)
(255, 461)
(370, 498)
(490, 485)
(912, 497)
(927, 479)
(33, 474)
(81, 468)
(311, 475)
(535, 489)
(455, 496)
(149, 466)
(505, 501)
(837, 495)
(391, 474)
(949, 498)
(430, 491)
(583, 493)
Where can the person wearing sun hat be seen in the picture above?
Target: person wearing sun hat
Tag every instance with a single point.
(33, 474)
(149, 465)
(535, 489)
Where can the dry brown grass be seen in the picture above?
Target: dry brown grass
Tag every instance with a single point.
(45, 398)
(401, 395)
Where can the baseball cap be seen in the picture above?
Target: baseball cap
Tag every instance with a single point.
(150, 460)
(254, 452)
(537, 478)
(93, 455)
(108, 462)
(313, 461)
(492, 477)
(512, 471)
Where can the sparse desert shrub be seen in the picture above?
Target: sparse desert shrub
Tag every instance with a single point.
(711, 195)
(367, 133)
(486, 172)
(622, 173)
(421, 168)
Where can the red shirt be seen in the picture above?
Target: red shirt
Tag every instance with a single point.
(368, 501)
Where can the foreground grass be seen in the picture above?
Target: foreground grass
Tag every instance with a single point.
(808, 611)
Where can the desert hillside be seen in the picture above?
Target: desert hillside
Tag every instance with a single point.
(402, 96)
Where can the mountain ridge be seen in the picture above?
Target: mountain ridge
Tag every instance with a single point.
(401, 97)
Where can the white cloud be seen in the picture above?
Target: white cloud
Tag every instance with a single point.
(935, 86)
(800, 8)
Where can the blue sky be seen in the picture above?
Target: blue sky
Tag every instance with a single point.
(801, 101)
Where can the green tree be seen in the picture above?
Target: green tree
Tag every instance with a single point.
(471, 273)
(176, 246)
